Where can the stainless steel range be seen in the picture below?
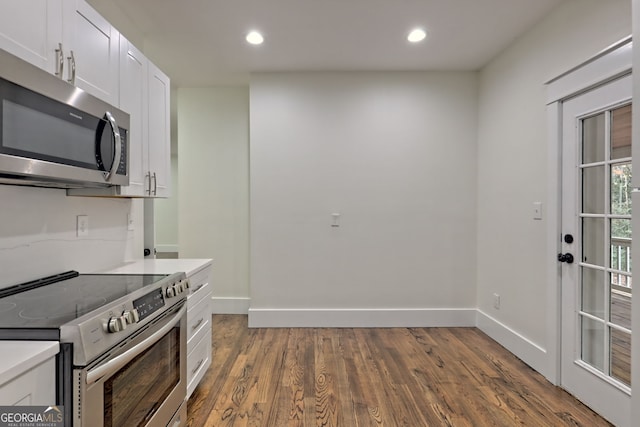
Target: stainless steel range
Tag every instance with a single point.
(123, 343)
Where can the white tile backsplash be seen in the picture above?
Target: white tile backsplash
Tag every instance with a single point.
(38, 233)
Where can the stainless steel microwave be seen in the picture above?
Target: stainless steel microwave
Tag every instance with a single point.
(54, 134)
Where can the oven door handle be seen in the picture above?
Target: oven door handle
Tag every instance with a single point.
(113, 365)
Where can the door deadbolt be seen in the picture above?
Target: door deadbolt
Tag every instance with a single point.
(568, 258)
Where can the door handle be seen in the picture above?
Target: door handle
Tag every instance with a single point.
(568, 258)
(117, 146)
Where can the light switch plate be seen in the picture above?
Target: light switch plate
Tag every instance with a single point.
(82, 225)
(537, 210)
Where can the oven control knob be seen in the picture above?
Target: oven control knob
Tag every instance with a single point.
(179, 287)
(116, 324)
(131, 316)
(170, 292)
(187, 285)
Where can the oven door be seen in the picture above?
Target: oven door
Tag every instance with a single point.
(141, 384)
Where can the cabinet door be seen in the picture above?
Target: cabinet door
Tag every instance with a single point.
(133, 100)
(93, 44)
(159, 132)
(31, 30)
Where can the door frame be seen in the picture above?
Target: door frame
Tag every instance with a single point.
(609, 64)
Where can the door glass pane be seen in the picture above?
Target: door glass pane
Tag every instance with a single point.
(593, 241)
(621, 244)
(621, 189)
(604, 211)
(621, 356)
(620, 302)
(593, 292)
(593, 190)
(621, 132)
(593, 139)
(592, 342)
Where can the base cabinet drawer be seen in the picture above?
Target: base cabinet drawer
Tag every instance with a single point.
(198, 361)
(198, 293)
(198, 321)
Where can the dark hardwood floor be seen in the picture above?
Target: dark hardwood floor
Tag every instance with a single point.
(373, 377)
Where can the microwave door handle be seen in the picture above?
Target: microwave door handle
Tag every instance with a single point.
(114, 365)
(117, 146)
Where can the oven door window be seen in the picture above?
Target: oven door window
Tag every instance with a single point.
(133, 394)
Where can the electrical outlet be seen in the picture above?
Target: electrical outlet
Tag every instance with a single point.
(496, 301)
(82, 225)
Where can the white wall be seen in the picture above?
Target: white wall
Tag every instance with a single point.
(395, 155)
(213, 187)
(512, 166)
(166, 215)
(38, 233)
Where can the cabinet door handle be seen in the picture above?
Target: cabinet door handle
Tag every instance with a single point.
(59, 60)
(148, 177)
(194, 327)
(155, 185)
(72, 68)
(194, 370)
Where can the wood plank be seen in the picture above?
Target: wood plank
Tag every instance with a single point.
(373, 377)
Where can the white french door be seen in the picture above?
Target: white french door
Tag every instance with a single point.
(596, 249)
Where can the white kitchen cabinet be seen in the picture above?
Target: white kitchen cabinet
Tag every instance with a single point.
(134, 70)
(28, 373)
(145, 95)
(64, 37)
(71, 39)
(92, 47)
(159, 148)
(32, 30)
(198, 328)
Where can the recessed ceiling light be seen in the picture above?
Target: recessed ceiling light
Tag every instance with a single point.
(417, 35)
(254, 37)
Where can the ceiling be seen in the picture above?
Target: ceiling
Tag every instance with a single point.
(201, 42)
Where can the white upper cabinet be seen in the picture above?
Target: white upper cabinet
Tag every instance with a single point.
(67, 38)
(134, 70)
(144, 94)
(91, 46)
(159, 133)
(32, 30)
(72, 40)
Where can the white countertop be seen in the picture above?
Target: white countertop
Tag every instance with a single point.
(20, 356)
(160, 266)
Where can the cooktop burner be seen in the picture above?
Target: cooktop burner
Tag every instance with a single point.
(54, 304)
(6, 306)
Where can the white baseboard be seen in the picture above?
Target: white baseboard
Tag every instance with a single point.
(167, 248)
(230, 305)
(528, 351)
(361, 318)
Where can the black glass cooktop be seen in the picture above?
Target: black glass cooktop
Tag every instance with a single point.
(53, 304)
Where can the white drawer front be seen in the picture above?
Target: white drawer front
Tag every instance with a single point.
(198, 293)
(198, 361)
(200, 277)
(198, 319)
